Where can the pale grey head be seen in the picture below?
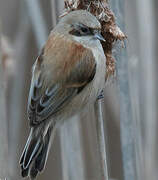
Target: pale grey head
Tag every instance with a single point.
(82, 26)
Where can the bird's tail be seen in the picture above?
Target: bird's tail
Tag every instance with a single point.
(34, 156)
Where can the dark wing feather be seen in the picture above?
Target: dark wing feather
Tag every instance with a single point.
(44, 102)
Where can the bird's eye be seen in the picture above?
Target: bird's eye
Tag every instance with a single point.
(80, 30)
(84, 29)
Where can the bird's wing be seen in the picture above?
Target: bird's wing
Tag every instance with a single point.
(52, 89)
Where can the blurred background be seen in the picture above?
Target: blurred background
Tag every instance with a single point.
(130, 102)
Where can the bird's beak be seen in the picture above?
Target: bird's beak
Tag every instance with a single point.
(99, 36)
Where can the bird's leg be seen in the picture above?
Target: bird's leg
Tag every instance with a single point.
(101, 95)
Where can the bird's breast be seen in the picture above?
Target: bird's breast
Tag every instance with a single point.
(99, 79)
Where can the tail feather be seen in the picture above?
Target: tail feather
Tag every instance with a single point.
(24, 151)
(40, 160)
(33, 172)
(42, 157)
(24, 172)
(32, 150)
(35, 153)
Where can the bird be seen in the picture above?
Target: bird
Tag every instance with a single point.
(67, 76)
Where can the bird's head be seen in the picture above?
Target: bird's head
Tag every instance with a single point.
(82, 27)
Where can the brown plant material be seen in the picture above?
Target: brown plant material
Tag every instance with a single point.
(110, 31)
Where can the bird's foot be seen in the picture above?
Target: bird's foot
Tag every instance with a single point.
(101, 95)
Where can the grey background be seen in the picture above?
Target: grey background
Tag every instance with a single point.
(141, 28)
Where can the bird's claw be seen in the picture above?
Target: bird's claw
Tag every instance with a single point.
(101, 95)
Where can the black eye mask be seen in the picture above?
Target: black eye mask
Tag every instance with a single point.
(81, 30)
